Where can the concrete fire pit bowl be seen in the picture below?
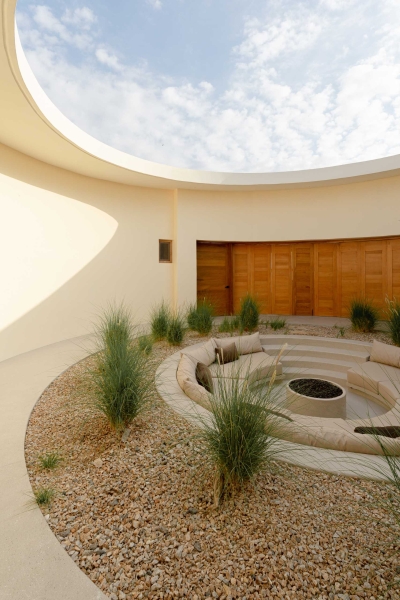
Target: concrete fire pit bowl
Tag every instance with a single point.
(302, 397)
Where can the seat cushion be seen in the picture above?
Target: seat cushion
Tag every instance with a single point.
(204, 354)
(385, 354)
(186, 376)
(246, 344)
(203, 377)
(390, 392)
(254, 366)
(368, 375)
(226, 355)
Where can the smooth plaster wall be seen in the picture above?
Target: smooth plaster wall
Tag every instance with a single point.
(68, 245)
(367, 209)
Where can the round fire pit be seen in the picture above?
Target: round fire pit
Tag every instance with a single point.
(316, 398)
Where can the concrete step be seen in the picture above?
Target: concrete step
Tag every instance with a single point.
(309, 340)
(316, 362)
(321, 352)
(294, 372)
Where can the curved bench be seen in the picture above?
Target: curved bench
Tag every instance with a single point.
(253, 364)
(371, 378)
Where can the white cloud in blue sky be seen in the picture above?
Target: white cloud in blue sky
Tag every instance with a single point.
(224, 84)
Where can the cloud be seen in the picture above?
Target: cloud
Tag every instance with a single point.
(156, 4)
(109, 59)
(277, 112)
(61, 29)
(81, 17)
(337, 4)
(265, 42)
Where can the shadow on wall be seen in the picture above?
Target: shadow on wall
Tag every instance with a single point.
(72, 244)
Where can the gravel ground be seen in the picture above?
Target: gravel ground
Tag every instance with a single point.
(137, 515)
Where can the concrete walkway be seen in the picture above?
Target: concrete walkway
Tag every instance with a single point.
(33, 565)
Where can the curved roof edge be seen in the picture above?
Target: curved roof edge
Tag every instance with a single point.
(32, 124)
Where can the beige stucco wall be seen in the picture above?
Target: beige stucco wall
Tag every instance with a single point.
(367, 209)
(70, 244)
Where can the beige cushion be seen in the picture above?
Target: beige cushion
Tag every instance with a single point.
(246, 344)
(186, 376)
(338, 435)
(367, 375)
(391, 418)
(385, 354)
(390, 391)
(204, 354)
(256, 366)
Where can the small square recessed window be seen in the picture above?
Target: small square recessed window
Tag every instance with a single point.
(165, 251)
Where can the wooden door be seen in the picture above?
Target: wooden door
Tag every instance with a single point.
(261, 287)
(281, 279)
(393, 261)
(252, 274)
(374, 271)
(325, 279)
(349, 275)
(303, 279)
(213, 276)
(241, 273)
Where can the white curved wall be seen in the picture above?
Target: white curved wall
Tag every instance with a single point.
(70, 244)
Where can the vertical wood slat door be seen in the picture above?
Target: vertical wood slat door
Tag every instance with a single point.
(262, 276)
(374, 271)
(303, 279)
(214, 275)
(251, 265)
(349, 275)
(393, 261)
(241, 273)
(281, 279)
(325, 279)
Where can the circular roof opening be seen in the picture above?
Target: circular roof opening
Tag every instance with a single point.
(221, 85)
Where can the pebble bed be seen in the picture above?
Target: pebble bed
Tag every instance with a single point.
(135, 512)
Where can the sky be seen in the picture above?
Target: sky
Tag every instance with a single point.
(224, 85)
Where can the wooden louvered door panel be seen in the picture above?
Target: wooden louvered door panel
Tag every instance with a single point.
(374, 271)
(281, 279)
(325, 279)
(252, 274)
(393, 260)
(303, 279)
(241, 276)
(349, 275)
(261, 287)
(213, 276)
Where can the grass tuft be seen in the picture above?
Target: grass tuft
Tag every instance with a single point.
(229, 325)
(277, 324)
(145, 343)
(200, 317)
(120, 380)
(393, 315)
(159, 320)
(240, 437)
(44, 496)
(176, 329)
(363, 315)
(249, 313)
(50, 460)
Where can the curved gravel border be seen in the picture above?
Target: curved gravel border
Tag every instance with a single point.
(32, 563)
(136, 514)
